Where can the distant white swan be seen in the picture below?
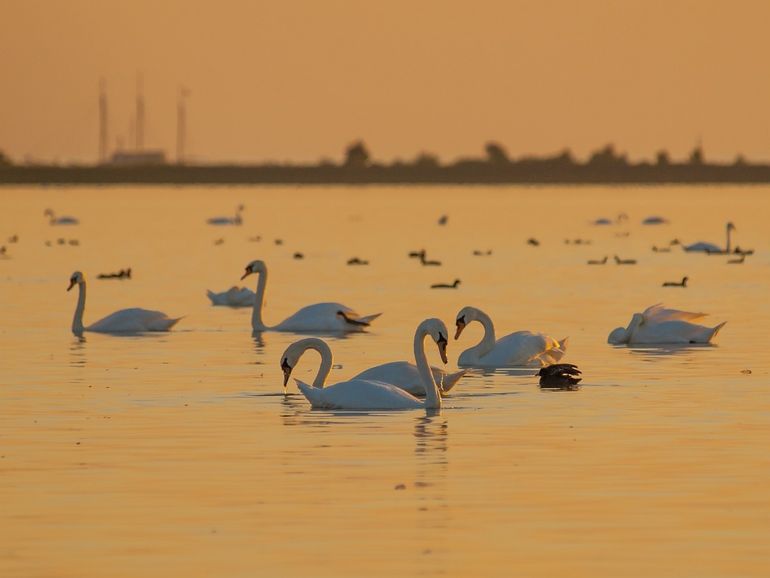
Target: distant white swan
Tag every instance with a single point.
(236, 220)
(655, 220)
(54, 220)
(132, 320)
(658, 325)
(522, 348)
(318, 318)
(233, 297)
(362, 394)
(710, 248)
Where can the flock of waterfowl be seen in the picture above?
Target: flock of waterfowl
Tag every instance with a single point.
(401, 384)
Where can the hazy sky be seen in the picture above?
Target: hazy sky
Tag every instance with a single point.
(298, 80)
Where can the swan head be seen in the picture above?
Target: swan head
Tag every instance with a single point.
(618, 336)
(438, 331)
(291, 356)
(730, 227)
(76, 278)
(286, 367)
(254, 267)
(465, 316)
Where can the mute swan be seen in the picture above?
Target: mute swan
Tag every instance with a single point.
(54, 220)
(233, 297)
(363, 394)
(598, 261)
(655, 220)
(133, 320)
(559, 376)
(522, 348)
(710, 247)
(236, 220)
(657, 325)
(619, 261)
(321, 317)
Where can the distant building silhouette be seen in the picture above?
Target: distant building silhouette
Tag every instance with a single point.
(696, 156)
(662, 159)
(607, 157)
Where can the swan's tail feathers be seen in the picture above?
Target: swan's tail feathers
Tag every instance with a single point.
(169, 323)
(716, 330)
(360, 321)
(212, 296)
(369, 318)
(312, 394)
(563, 344)
(451, 379)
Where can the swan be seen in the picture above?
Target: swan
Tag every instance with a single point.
(363, 394)
(406, 376)
(682, 283)
(452, 285)
(658, 325)
(655, 220)
(321, 317)
(132, 320)
(233, 297)
(710, 247)
(236, 220)
(519, 348)
(54, 220)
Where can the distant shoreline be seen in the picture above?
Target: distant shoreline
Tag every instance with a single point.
(461, 173)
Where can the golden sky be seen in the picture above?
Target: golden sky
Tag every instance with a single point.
(299, 79)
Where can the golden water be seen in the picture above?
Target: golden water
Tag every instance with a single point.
(177, 454)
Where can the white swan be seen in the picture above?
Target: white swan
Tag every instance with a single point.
(233, 297)
(321, 317)
(710, 247)
(362, 394)
(54, 220)
(406, 376)
(132, 320)
(236, 220)
(658, 325)
(522, 348)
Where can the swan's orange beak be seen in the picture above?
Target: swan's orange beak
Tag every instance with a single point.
(72, 284)
(246, 274)
(460, 327)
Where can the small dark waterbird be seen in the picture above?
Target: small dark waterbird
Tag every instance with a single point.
(598, 261)
(682, 283)
(357, 261)
(452, 285)
(620, 261)
(560, 376)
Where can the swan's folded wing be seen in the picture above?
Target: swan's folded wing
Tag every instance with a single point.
(658, 313)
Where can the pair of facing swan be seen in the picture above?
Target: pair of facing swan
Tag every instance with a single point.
(371, 392)
(658, 325)
(134, 320)
(320, 318)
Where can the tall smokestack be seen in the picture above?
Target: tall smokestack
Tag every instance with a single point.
(103, 136)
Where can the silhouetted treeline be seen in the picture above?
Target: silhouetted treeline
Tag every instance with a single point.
(605, 165)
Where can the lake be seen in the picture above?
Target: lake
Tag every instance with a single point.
(178, 454)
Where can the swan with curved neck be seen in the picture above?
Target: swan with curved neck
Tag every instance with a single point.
(661, 326)
(711, 248)
(521, 348)
(54, 220)
(134, 320)
(320, 318)
(362, 394)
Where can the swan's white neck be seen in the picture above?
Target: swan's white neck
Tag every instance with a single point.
(487, 342)
(326, 358)
(729, 229)
(256, 312)
(77, 320)
(432, 396)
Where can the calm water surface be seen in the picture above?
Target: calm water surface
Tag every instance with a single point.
(177, 454)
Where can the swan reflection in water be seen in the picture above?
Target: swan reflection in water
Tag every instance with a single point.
(78, 358)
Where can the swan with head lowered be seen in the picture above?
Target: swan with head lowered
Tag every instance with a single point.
(318, 318)
(521, 348)
(233, 297)
(659, 325)
(711, 248)
(365, 394)
(132, 320)
(236, 220)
